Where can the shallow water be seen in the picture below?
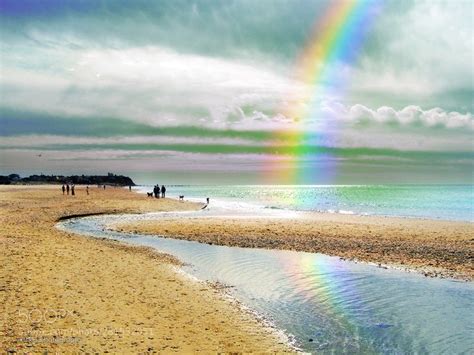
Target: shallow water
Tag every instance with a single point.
(327, 304)
(447, 202)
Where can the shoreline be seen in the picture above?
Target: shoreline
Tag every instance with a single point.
(218, 288)
(261, 205)
(434, 248)
(62, 292)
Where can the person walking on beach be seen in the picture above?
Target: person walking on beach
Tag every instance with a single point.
(163, 191)
(207, 200)
(72, 190)
(156, 191)
(64, 189)
(87, 190)
(129, 187)
(67, 188)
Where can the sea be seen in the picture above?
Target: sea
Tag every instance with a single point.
(440, 202)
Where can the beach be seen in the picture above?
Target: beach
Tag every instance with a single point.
(432, 247)
(61, 292)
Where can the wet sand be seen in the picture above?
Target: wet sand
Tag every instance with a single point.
(60, 292)
(435, 248)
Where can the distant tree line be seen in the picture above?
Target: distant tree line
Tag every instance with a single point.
(109, 179)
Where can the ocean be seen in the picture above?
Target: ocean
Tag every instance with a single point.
(443, 202)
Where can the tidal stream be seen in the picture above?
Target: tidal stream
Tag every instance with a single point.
(328, 305)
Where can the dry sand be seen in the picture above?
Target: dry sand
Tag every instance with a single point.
(435, 248)
(61, 292)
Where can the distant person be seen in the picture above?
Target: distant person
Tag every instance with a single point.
(87, 189)
(207, 200)
(64, 189)
(163, 191)
(129, 187)
(156, 191)
(104, 186)
(72, 190)
(67, 188)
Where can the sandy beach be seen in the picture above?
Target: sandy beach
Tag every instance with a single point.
(61, 292)
(434, 248)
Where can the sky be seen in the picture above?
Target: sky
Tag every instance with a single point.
(206, 91)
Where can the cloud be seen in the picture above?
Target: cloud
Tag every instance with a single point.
(408, 116)
(411, 115)
(55, 140)
(151, 84)
(419, 52)
(216, 69)
(219, 75)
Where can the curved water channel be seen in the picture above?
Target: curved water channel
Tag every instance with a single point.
(329, 305)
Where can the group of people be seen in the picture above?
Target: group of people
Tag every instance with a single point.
(157, 190)
(66, 188)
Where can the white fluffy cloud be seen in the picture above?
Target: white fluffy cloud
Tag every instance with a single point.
(335, 112)
(410, 115)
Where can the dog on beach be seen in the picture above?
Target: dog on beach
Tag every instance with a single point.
(149, 194)
(181, 197)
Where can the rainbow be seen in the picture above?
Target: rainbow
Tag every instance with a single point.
(329, 291)
(335, 43)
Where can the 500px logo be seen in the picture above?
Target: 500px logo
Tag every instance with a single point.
(43, 315)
